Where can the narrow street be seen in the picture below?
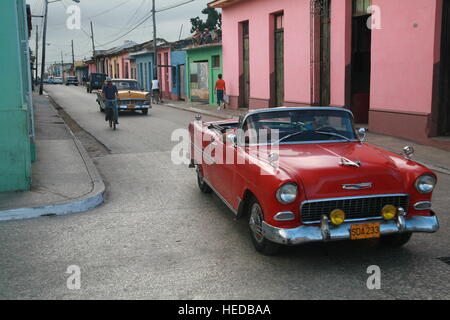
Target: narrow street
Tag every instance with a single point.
(158, 237)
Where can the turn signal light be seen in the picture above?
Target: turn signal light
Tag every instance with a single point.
(389, 212)
(337, 217)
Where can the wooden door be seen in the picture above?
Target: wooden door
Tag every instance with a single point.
(361, 62)
(279, 60)
(444, 105)
(181, 81)
(246, 64)
(325, 31)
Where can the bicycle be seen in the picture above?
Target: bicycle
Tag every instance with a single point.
(111, 117)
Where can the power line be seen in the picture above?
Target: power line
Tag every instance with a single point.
(106, 11)
(128, 32)
(174, 6)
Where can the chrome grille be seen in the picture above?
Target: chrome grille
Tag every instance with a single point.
(354, 208)
(137, 101)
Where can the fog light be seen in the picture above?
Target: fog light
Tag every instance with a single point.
(337, 217)
(389, 212)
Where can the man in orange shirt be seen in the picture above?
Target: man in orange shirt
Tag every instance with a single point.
(220, 89)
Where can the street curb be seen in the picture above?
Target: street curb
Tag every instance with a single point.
(200, 111)
(82, 204)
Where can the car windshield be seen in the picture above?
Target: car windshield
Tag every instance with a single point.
(98, 76)
(298, 126)
(126, 85)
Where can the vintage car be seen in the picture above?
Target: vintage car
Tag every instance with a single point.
(57, 80)
(95, 81)
(303, 175)
(72, 81)
(131, 97)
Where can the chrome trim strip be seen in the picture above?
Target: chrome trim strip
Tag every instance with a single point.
(298, 143)
(356, 197)
(348, 220)
(418, 204)
(305, 234)
(220, 197)
(203, 153)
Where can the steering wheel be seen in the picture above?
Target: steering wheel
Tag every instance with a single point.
(327, 129)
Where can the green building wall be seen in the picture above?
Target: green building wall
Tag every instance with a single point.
(203, 54)
(16, 117)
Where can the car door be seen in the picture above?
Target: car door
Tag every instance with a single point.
(224, 168)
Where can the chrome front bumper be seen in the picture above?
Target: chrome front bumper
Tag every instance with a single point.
(329, 232)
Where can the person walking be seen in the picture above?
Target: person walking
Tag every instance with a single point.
(220, 90)
(110, 94)
(156, 91)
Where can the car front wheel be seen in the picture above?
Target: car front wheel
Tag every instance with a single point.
(256, 218)
(201, 183)
(396, 240)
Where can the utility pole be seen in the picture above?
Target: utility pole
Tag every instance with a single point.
(44, 44)
(37, 54)
(62, 66)
(92, 37)
(155, 60)
(73, 60)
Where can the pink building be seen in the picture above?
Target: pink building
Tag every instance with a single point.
(164, 71)
(394, 75)
(92, 67)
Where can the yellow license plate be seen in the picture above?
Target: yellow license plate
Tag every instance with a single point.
(365, 231)
(131, 106)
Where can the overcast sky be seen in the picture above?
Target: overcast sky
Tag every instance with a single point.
(111, 19)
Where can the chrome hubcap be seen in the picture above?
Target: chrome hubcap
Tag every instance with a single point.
(256, 223)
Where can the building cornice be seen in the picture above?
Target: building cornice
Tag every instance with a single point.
(223, 3)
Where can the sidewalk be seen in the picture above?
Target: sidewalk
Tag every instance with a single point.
(64, 178)
(435, 158)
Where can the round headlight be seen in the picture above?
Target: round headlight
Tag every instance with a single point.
(425, 184)
(287, 193)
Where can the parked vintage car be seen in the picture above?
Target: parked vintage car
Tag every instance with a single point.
(72, 81)
(95, 81)
(57, 80)
(131, 97)
(304, 174)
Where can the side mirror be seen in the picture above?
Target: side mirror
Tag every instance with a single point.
(362, 134)
(232, 138)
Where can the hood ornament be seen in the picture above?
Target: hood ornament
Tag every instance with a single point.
(360, 186)
(348, 163)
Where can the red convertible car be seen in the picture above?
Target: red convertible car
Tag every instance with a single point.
(305, 174)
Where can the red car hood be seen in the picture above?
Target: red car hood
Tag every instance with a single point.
(319, 168)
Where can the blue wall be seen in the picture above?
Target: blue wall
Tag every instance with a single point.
(144, 66)
(177, 58)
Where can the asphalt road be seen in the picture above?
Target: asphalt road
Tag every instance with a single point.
(158, 237)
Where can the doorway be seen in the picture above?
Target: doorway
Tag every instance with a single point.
(246, 64)
(199, 80)
(279, 59)
(361, 61)
(181, 81)
(444, 86)
(325, 51)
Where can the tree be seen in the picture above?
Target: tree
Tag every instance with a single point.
(213, 21)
